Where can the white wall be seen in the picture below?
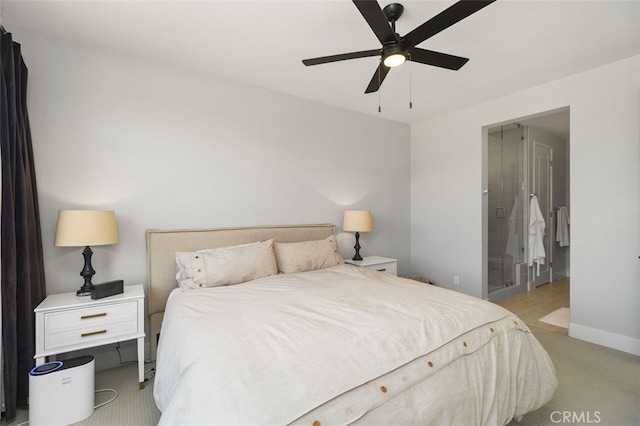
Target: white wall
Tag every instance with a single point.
(169, 148)
(446, 185)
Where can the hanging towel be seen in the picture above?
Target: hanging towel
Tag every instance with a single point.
(537, 226)
(562, 228)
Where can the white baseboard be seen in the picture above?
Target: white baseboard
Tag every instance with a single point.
(605, 338)
(559, 274)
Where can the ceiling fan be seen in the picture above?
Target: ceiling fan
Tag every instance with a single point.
(396, 49)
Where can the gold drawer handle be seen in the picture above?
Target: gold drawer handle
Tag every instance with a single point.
(382, 270)
(104, 314)
(91, 333)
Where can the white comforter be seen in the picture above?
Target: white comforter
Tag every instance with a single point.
(341, 345)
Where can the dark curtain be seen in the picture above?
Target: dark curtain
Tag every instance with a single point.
(21, 260)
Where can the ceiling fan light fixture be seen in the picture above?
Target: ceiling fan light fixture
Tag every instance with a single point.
(394, 60)
(394, 55)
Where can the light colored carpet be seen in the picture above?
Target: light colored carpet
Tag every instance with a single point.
(595, 383)
(559, 317)
(133, 407)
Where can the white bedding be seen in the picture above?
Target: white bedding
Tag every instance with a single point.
(341, 345)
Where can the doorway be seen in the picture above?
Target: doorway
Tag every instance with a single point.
(522, 158)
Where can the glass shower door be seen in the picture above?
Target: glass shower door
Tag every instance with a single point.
(507, 207)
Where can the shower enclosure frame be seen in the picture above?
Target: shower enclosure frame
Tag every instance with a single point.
(505, 245)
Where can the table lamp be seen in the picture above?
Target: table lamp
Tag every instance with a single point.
(77, 228)
(358, 221)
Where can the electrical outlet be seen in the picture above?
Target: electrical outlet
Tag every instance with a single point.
(456, 280)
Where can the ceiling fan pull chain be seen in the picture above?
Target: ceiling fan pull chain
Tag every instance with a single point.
(410, 82)
(379, 69)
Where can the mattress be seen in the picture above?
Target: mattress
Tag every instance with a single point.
(345, 345)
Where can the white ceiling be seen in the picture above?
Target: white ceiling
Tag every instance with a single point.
(512, 45)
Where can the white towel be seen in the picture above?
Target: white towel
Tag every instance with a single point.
(562, 228)
(537, 226)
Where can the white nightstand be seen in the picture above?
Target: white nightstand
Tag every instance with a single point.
(66, 322)
(377, 263)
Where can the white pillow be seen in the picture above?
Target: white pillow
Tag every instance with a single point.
(225, 265)
(307, 255)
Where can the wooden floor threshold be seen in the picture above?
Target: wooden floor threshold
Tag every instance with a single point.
(532, 305)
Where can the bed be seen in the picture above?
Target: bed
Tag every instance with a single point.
(320, 342)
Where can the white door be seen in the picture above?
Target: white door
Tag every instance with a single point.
(543, 188)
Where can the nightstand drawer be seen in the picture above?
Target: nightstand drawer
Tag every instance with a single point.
(90, 334)
(90, 318)
(389, 267)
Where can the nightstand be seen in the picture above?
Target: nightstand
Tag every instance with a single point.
(377, 263)
(66, 322)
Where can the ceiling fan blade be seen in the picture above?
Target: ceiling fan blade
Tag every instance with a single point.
(445, 19)
(437, 59)
(374, 16)
(378, 78)
(342, 57)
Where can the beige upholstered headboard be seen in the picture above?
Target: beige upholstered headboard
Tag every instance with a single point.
(163, 244)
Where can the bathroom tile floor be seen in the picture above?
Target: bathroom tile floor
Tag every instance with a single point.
(533, 305)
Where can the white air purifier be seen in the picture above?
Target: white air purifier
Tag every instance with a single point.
(61, 392)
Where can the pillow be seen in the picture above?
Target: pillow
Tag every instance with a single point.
(225, 265)
(307, 255)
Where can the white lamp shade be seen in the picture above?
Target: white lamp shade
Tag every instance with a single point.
(77, 228)
(357, 221)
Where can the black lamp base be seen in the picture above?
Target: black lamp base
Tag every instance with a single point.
(87, 272)
(357, 247)
(83, 292)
